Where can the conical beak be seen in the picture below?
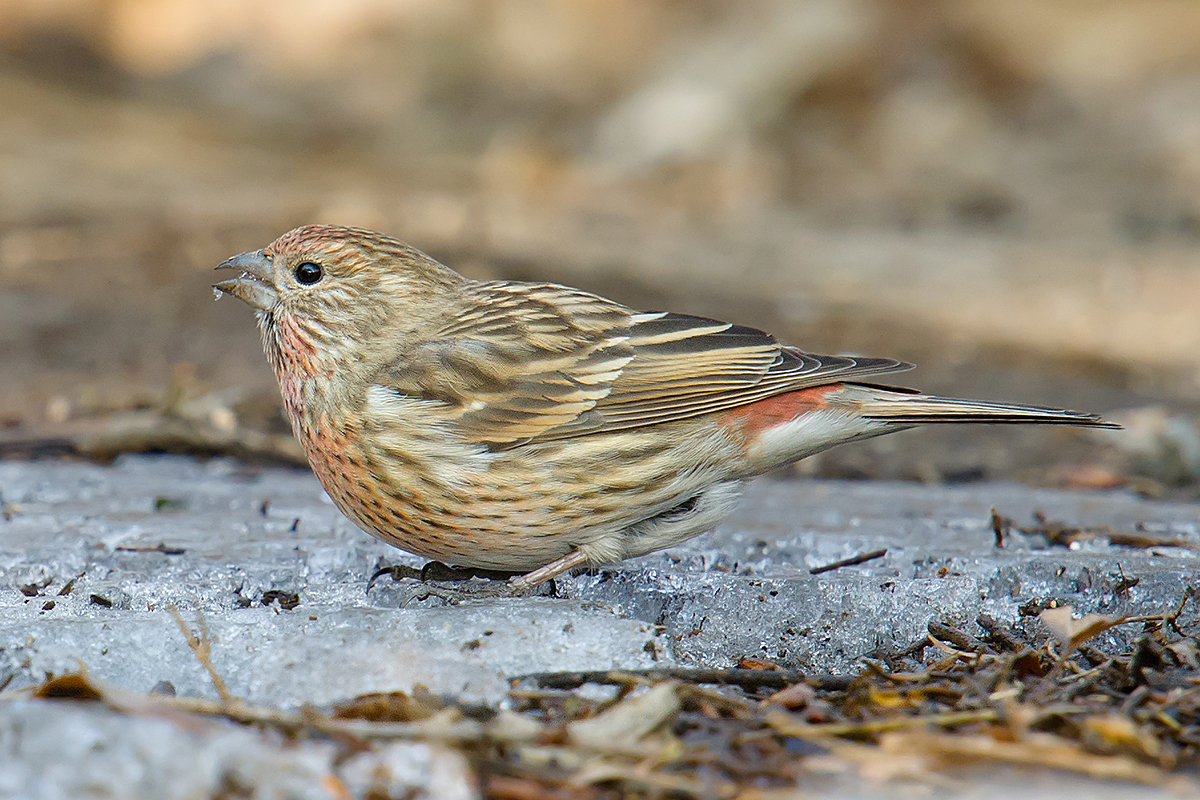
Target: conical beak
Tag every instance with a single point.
(256, 284)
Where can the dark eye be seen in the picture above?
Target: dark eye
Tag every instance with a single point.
(308, 273)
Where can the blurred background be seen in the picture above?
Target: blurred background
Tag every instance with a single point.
(1007, 193)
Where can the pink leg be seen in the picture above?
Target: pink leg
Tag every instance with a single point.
(530, 580)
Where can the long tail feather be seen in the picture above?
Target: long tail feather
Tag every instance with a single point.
(929, 410)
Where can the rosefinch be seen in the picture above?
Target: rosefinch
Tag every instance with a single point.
(530, 426)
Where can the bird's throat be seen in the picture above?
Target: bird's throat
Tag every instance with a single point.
(303, 367)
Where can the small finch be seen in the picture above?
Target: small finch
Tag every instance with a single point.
(532, 427)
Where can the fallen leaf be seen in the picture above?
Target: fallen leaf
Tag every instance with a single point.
(1072, 631)
(798, 695)
(621, 726)
(73, 686)
(750, 662)
(1109, 733)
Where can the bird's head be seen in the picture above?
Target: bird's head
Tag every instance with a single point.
(324, 290)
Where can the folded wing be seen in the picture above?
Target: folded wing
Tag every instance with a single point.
(526, 362)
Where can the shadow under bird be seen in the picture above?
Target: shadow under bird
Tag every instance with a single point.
(532, 427)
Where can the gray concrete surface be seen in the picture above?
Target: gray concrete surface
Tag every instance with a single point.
(78, 587)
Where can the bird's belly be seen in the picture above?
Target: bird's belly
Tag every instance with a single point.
(517, 509)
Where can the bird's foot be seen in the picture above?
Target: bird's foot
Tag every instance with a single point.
(455, 593)
(437, 571)
(477, 584)
(454, 585)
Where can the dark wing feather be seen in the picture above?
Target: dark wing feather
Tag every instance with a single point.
(526, 362)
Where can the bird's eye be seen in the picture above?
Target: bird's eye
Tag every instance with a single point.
(308, 273)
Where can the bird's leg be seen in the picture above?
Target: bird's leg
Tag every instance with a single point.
(531, 580)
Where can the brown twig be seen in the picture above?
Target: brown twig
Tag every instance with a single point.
(201, 645)
(785, 724)
(161, 547)
(747, 679)
(862, 558)
(1000, 527)
(956, 637)
(1000, 635)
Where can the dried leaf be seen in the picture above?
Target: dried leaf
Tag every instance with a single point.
(389, 707)
(74, 686)
(619, 728)
(1072, 631)
(1035, 750)
(798, 695)
(509, 726)
(749, 662)
(1185, 651)
(893, 699)
(600, 771)
(1111, 733)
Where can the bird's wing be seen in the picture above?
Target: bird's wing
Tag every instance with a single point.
(518, 360)
(527, 362)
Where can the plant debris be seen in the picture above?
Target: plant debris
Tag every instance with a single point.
(1036, 694)
(862, 558)
(161, 547)
(1060, 534)
(286, 600)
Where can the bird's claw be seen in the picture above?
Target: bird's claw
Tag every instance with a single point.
(398, 572)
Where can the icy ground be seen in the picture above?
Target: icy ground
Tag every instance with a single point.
(91, 557)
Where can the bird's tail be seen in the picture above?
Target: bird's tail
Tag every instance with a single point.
(920, 409)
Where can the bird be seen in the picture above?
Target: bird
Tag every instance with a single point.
(534, 428)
